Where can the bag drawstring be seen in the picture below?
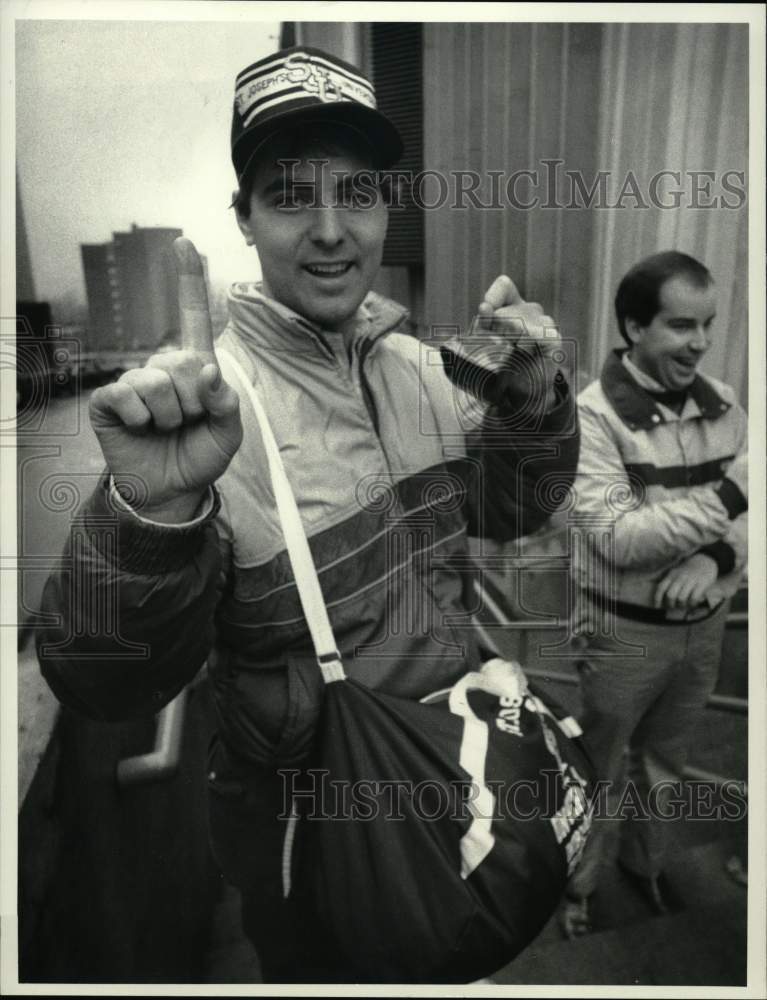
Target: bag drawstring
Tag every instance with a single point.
(287, 851)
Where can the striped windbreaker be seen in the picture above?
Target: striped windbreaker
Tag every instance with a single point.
(650, 489)
(392, 468)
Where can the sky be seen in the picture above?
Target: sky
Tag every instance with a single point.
(128, 121)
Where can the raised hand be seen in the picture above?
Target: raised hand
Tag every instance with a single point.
(510, 356)
(175, 424)
(530, 368)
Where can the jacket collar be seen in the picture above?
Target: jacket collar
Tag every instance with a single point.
(637, 408)
(255, 317)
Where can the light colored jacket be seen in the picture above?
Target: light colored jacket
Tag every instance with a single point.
(651, 487)
(392, 467)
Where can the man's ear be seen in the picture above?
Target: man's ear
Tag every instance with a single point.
(633, 330)
(245, 224)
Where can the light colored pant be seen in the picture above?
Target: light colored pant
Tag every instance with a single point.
(646, 699)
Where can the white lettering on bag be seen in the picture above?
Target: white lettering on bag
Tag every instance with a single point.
(508, 719)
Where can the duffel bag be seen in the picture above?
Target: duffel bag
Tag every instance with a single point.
(461, 816)
(440, 836)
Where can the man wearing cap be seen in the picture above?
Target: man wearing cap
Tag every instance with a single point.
(661, 497)
(388, 478)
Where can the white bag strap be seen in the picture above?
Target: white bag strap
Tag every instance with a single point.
(304, 571)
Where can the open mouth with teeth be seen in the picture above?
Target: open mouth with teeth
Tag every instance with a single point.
(685, 363)
(335, 270)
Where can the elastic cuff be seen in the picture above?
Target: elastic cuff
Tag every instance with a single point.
(732, 498)
(139, 546)
(559, 421)
(122, 504)
(723, 555)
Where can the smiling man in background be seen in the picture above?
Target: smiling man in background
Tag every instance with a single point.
(662, 475)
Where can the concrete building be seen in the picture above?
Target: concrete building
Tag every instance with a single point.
(102, 315)
(132, 290)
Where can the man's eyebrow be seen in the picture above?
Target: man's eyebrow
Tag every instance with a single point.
(281, 184)
(690, 319)
(345, 177)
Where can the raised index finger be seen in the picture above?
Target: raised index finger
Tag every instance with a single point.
(196, 329)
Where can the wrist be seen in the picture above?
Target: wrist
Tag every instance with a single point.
(722, 555)
(137, 545)
(174, 510)
(179, 510)
(708, 560)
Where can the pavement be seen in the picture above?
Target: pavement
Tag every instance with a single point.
(703, 944)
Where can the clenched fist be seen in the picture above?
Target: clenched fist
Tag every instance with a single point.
(509, 355)
(174, 424)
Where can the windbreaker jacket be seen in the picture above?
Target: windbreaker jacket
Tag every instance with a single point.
(651, 487)
(391, 466)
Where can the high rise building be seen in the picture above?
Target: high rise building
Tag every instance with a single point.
(102, 314)
(132, 290)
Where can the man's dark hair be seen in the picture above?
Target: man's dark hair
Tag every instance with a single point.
(638, 295)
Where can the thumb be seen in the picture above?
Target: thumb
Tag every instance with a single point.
(502, 292)
(196, 329)
(223, 408)
(219, 399)
(485, 309)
